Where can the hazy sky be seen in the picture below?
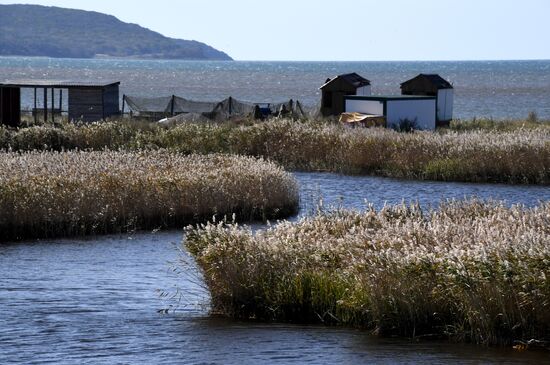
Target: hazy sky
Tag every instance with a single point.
(332, 30)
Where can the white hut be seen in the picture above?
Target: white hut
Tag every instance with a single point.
(396, 110)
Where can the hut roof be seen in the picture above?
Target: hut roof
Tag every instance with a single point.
(352, 79)
(434, 79)
(58, 84)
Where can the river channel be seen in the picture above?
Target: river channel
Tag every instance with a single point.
(98, 300)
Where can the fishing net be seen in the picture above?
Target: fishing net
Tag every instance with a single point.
(175, 109)
(182, 105)
(140, 105)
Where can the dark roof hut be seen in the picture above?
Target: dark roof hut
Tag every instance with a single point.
(425, 84)
(433, 85)
(334, 90)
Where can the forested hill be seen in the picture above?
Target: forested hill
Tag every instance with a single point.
(33, 30)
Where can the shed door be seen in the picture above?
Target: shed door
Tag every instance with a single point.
(86, 104)
(445, 105)
(10, 106)
(338, 102)
(449, 105)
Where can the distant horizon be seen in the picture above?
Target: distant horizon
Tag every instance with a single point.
(289, 61)
(355, 31)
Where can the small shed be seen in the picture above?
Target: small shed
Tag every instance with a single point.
(419, 110)
(433, 85)
(334, 90)
(87, 101)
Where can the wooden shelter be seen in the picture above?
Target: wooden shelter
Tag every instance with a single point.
(334, 91)
(433, 85)
(87, 101)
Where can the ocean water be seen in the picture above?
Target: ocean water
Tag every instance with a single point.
(494, 89)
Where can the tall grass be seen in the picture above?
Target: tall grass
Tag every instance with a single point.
(519, 155)
(469, 271)
(489, 124)
(45, 194)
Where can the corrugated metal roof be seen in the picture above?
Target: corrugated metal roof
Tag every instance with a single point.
(59, 84)
(352, 78)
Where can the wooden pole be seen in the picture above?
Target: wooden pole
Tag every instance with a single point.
(172, 106)
(1, 106)
(60, 101)
(45, 105)
(53, 106)
(35, 111)
(123, 102)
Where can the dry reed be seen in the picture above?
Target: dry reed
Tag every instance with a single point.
(45, 194)
(515, 155)
(469, 271)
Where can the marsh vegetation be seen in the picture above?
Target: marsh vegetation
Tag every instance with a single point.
(474, 151)
(45, 194)
(468, 271)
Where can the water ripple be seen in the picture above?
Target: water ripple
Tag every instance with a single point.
(96, 300)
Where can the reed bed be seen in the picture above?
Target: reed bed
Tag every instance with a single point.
(517, 155)
(489, 124)
(45, 194)
(476, 156)
(468, 271)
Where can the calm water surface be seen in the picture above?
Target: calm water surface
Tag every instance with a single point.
(97, 300)
(357, 191)
(499, 89)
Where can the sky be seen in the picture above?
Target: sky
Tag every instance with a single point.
(344, 30)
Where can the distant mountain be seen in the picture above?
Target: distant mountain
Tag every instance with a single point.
(33, 30)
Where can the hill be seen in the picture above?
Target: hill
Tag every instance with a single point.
(33, 30)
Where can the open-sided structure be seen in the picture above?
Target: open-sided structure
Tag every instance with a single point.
(87, 101)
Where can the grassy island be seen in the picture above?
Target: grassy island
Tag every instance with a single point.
(46, 194)
(469, 271)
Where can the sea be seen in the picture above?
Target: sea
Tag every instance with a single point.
(483, 89)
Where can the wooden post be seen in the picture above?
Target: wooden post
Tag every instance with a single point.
(53, 106)
(123, 102)
(35, 111)
(60, 101)
(172, 106)
(230, 105)
(1, 106)
(45, 105)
